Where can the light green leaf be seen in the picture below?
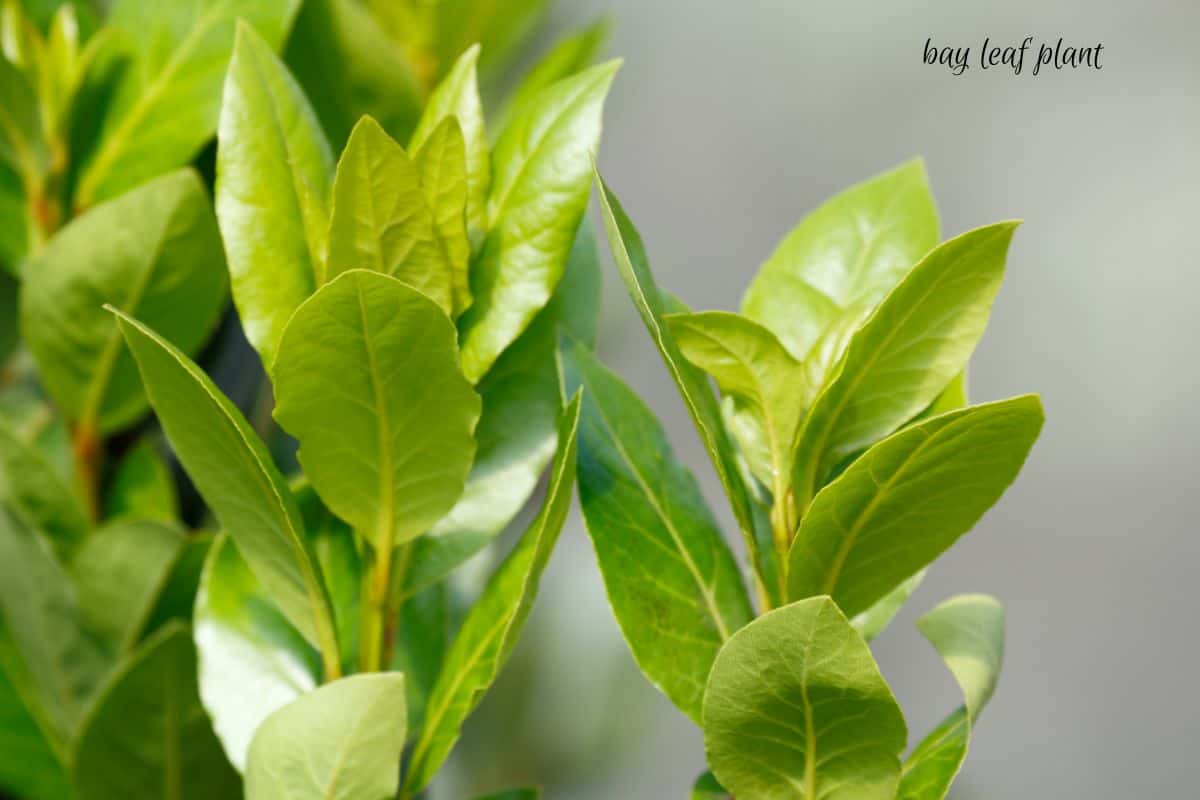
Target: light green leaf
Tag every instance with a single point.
(872, 622)
(380, 358)
(443, 167)
(905, 354)
(968, 632)
(142, 486)
(147, 735)
(908, 499)
(252, 662)
(796, 709)
(381, 220)
(154, 253)
(457, 96)
(490, 631)
(166, 103)
(341, 742)
(707, 787)
(30, 485)
(539, 193)
(118, 573)
(234, 473)
(274, 172)
(844, 257)
(674, 586)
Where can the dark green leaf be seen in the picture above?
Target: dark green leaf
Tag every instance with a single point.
(142, 486)
(421, 637)
(707, 787)
(177, 597)
(31, 767)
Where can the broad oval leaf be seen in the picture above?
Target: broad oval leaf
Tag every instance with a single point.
(341, 742)
(274, 172)
(845, 256)
(796, 709)
(490, 631)
(443, 167)
(905, 354)
(154, 253)
(674, 586)
(381, 359)
(167, 99)
(539, 193)
(30, 485)
(147, 735)
(234, 473)
(968, 632)
(907, 500)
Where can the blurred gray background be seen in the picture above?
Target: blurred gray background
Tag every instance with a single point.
(731, 120)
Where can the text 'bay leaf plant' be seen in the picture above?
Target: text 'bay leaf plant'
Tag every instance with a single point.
(851, 460)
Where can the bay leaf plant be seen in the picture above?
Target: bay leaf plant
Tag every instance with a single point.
(851, 460)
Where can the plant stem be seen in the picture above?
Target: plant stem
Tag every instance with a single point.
(87, 448)
(376, 582)
(396, 598)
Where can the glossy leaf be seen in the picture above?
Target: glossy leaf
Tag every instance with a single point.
(274, 172)
(147, 735)
(442, 164)
(844, 257)
(341, 742)
(539, 192)
(381, 220)
(795, 708)
(673, 584)
(490, 631)
(142, 486)
(166, 103)
(154, 253)
(968, 632)
(908, 499)
(902, 358)
(30, 485)
(234, 473)
(381, 358)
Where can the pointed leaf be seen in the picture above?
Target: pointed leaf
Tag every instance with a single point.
(443, 167)
(796, 709)
(673, 584)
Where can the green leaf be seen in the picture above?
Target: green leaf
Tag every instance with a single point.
(31, 768)
(21, 141)
(501, 28)
(381, 220)
(235, 475)
(166, 103)
(907, 500)
(30, 484)
(142, 486)
(539, 193)
(707, 787)
(421, 638)
(796, 709)
(905, 354)
(252, 662)
(337, 550)
(443, 167)
(118, 572)
(146, 735)
(9, 335)
(154, 253)
(176, 597)
(380, 358)
(844, 257)
(674, 586)
(872, 622)
(968, 632)
(457, 96)
(490, 631)
(274, 173)
(341, 742)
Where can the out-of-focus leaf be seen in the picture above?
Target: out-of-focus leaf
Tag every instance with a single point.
(707, 787)
(513, 794)
(274, 172)
(14, 234)
(31, 767)
(31, 485)
(443, 167)
(142, 486)
(421, 637)
(796, 709)
(154, 253)
(147, 735)
(501, 28)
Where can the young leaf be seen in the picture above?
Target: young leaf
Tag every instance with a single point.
(674, 586)
(154, 253)
(968, 632)
(274, 172)
(382, 359)
(30, 485)
(166, 103)
(146, 735)
(457, 96)
(443, 167)
(234, 473)
(490, 631)
(902, 358)
(381, 220)
(907, 499)
(795, 708)
(539, 193)
(341, 742)
(142, 486)
(844, 257)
